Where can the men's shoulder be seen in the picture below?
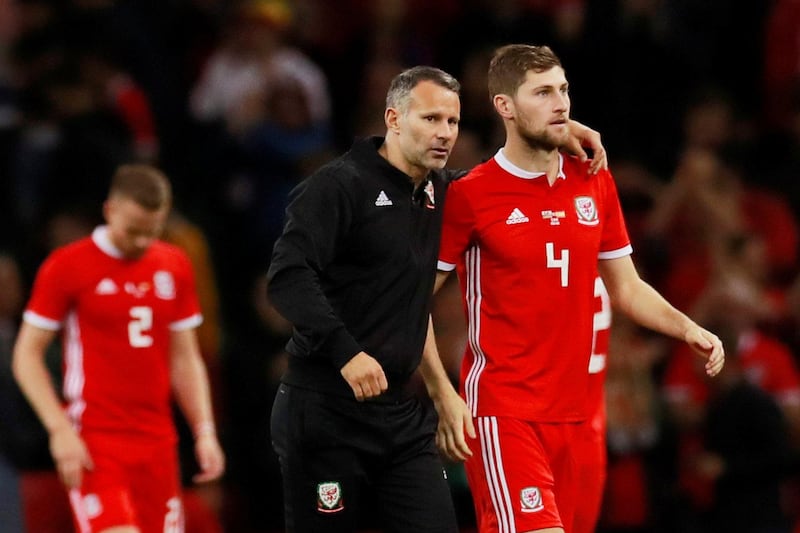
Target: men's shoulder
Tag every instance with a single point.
(338, 177)
(170, 256)
(449, 175)
(72, 253)
(460, 174)
(350, 172)
(477, 174)
(342, 168)
(169, 251)
(70, 266)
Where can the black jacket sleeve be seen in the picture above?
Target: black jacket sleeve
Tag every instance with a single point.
(317, 218)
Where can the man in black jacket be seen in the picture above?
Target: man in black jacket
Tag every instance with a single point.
(353, 272)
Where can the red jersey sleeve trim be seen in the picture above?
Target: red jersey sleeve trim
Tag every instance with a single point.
(41, 322)
(187, 323)
(445, 266)
(616, 254)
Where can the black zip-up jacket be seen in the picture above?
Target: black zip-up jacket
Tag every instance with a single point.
(354, 269)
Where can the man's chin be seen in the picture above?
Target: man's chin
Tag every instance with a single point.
(437, 162)
(134, 254)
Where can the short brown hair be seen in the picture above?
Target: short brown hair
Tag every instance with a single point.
(511, 63)
(144, 184)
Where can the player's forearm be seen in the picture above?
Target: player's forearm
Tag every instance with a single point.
(193, 394)
(437, 382)
(645, 306)
(190, 385)
(441, 277)
(635, 298)
(35, 383)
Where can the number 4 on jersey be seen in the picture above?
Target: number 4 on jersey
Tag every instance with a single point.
(561, 262)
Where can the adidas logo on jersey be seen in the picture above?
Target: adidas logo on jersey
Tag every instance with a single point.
(106, 286)
(516, 217)
(382, 200)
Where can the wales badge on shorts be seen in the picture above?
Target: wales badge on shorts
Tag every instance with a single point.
(531, 500)
(329, 497)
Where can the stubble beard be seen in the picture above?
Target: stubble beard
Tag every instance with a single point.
(542, 140)
(433, 163)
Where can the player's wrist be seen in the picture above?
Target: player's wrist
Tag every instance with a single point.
(204, 429)
(58, 428)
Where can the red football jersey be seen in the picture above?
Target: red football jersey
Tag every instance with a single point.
(527, 256)
(116, 316)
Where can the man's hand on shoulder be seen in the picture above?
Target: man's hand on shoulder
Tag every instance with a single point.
(583, 136)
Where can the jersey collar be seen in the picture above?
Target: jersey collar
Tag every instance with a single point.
(103, 241)
(514, 170)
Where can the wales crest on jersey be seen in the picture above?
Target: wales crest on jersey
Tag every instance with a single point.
(586, 209)
(430, 195)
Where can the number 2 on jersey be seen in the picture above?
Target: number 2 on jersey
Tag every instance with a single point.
(141, 322)
(600, 322)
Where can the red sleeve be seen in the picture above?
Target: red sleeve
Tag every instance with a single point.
(187, 310)
(615, 234)
(50, 297)
(457, 227)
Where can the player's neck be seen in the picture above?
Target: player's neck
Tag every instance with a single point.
(532, 159)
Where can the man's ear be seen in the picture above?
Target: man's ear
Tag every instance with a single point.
(392, 119)
(504, 105)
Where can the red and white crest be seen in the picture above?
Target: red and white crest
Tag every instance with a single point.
(531, 499)
(586, 210)
(329, 497)
(429, 192)
(164, 284)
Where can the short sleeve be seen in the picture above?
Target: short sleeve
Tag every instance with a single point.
(615, 241)
(187, 312)
(50, 296)
(457, 227)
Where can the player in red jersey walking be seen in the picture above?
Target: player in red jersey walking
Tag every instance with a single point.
(528, 231)
(126, 305)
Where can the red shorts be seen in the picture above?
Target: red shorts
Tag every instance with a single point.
(523, 475)
(131, 484)
(591, 451)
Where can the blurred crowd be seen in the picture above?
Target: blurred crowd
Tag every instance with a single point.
(698, 102)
